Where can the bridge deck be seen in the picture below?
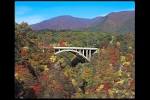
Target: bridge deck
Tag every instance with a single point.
(75, 48)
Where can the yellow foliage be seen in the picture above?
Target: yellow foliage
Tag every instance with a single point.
(77, 95)
(65, 43)
(74, 82)
(132, 92)
(120, 82)
(126, 63)
(66, 73)
(87, 92)
(123, 59)
(16, 76)
(87, 72)
(26, 47)
(45, 68)
(19, 77)
(130, 47)
(118, 43)
(119, 73)
(126, 93)
(99, 88)
(53, 58)
(115, 90)
(54, 82)
(79, 90)
(103, 51)
(110, 91)
(61, 60)
(110, 65)
(128, 74)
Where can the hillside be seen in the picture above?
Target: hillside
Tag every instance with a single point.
(62, 22)
(115, 22)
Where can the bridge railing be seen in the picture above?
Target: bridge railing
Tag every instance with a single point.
(75, 48)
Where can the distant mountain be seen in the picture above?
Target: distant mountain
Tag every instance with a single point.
(62, 22)
(116, 22)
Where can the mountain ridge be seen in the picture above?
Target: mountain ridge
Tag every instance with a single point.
(121, 22)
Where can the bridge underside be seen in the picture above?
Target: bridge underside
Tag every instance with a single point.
(73, 60)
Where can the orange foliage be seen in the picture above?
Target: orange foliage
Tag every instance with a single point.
(21, 69)
(62, 43)
(129, 57)
(23, 51)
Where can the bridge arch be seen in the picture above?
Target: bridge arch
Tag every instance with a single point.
(80, 54)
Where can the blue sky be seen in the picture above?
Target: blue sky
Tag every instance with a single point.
(33, 12)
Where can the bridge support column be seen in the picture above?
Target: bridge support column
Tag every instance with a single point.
(83, 52)
(87, 54)
(90, 54)
(80, 51)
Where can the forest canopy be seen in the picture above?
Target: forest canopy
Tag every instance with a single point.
(39, 73)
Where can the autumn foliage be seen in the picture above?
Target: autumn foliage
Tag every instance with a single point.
(109, 74)
(36, 88)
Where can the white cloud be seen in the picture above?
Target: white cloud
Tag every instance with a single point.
(29, 19)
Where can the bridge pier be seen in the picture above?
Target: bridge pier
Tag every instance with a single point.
(90, 54)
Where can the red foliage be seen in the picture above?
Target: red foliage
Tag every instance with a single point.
(62, 43)
(44, 77)
(92, 89)
(36, 88)
(113, 60)
(132, 84)
(106, 87)
(114, 54)
(51, 47)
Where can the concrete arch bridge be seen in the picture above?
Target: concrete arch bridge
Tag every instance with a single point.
(84, 52)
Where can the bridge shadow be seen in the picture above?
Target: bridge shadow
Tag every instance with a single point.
(77, 60)
(71, 60)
